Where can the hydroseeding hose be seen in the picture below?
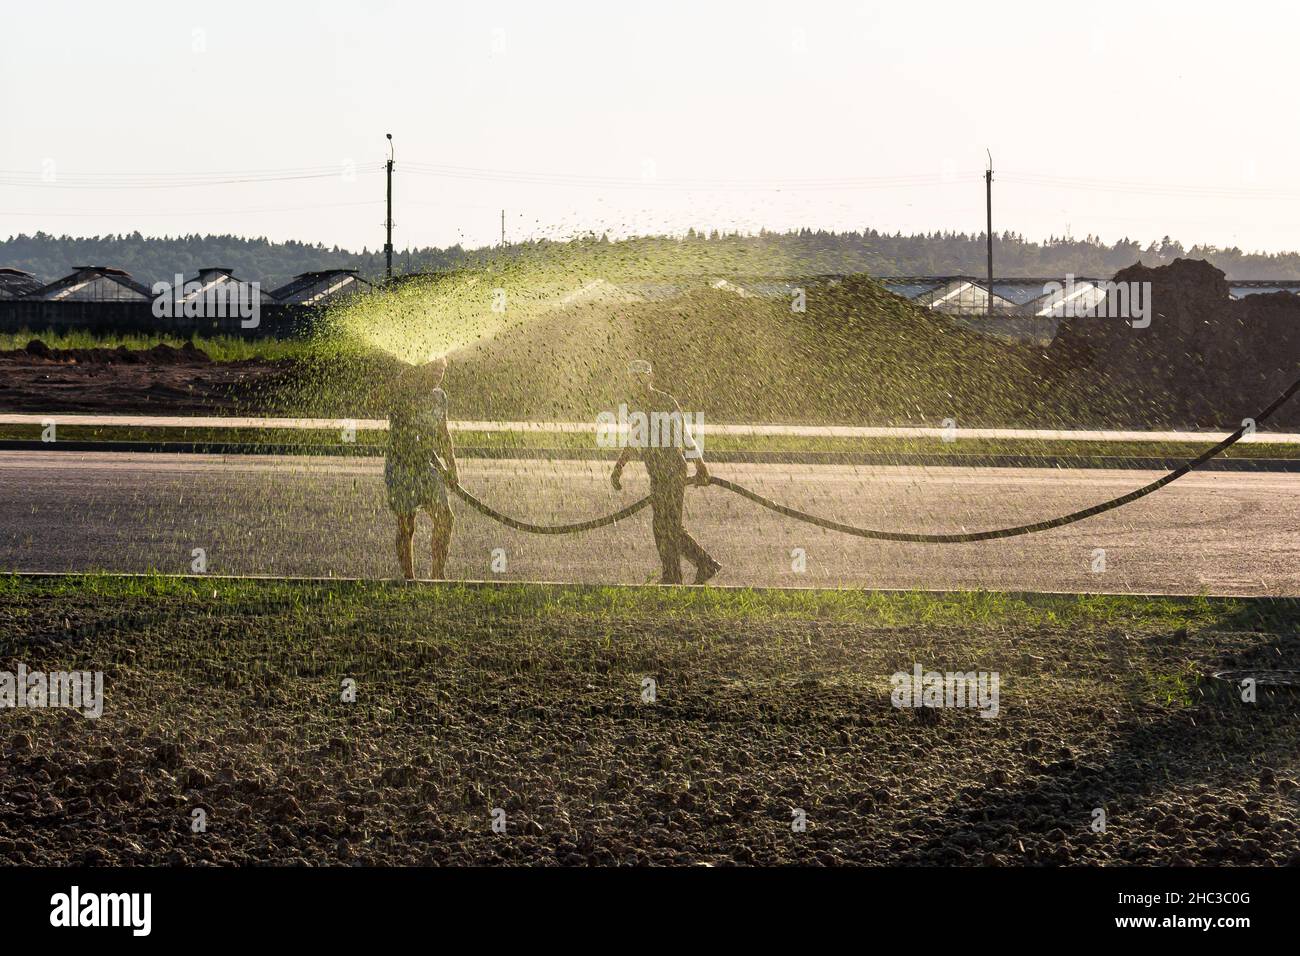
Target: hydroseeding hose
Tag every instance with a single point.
(962, 538)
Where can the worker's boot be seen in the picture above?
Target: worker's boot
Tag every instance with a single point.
(707, 570)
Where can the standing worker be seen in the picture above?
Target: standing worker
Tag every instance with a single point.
(665, 463)
(419, 462)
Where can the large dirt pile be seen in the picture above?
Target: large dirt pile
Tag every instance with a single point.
(857, 354)
(879, 359)
(846, 352)
(719, 353)
(1205, 361)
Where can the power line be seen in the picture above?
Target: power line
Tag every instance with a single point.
(164, 174)
(22, 178)
(476, 174)
(1147, 188)
(62, 182)
(123, 213)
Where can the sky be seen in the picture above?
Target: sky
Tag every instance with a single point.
(1137, 119)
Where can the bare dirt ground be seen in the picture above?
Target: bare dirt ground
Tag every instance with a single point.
(160, 380)
(531, 701)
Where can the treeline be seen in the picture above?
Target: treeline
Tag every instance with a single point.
(802, 252)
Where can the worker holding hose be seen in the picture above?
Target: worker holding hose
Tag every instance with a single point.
(664, 457)
(420, 461)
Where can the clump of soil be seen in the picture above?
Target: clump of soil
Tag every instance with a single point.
(38, 352)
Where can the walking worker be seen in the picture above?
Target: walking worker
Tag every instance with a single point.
(419, 462)
(661, 451)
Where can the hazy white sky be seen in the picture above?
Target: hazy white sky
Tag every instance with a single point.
(1132, 118)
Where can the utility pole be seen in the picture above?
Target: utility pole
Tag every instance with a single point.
(503, 228)
(988, 199)
(388, 246)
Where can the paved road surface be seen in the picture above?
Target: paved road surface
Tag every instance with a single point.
(1214, 532)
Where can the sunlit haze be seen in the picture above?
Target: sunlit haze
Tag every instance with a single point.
(1110, 119)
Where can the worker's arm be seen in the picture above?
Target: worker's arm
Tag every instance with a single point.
(701, 472)
(616, 477)
(689, 444)
(446, 449)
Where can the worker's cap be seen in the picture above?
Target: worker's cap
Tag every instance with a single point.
(640, 367)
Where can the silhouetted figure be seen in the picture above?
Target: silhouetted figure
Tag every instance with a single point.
(665, 463)
(419, 461)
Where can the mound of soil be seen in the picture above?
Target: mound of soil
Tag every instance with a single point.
(1205, 361)
(857, 354)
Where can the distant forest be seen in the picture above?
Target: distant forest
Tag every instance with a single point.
(804, 252)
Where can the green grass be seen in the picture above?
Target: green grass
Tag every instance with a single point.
(220, 348)
(1175, 688)
(874, 608)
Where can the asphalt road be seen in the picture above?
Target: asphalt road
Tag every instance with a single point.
(1219, 533)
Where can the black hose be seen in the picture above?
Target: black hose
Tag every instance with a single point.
(957, 538)
(518, 525)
